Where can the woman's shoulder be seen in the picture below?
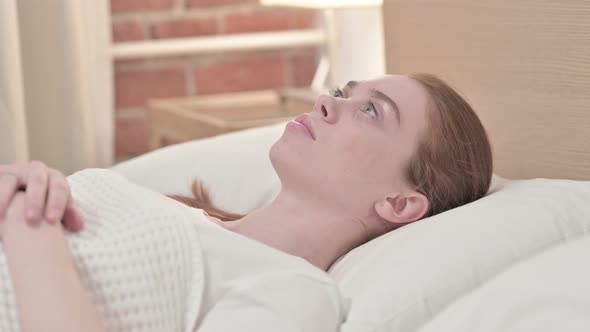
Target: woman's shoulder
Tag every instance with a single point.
(95, 175)
(103, 192)
(105, 182)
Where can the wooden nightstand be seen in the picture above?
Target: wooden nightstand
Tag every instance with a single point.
(189, 118)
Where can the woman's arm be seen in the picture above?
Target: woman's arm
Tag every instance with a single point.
(49, 293)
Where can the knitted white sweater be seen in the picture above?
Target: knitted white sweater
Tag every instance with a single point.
(139, 257)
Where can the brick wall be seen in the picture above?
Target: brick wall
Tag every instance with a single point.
(136, 81)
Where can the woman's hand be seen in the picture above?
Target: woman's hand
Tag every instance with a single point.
(49, 294)
(14, 212)
(47, 194)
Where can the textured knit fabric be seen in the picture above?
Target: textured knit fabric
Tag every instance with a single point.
(153, 264)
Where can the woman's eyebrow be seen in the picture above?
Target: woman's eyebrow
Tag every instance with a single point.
(380, 95)
(351, 84)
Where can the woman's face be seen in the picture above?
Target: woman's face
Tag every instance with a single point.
(362, 138)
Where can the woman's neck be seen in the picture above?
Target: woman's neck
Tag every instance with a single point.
(303, 228)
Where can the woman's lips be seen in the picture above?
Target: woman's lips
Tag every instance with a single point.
(304, 121)
(294, 125)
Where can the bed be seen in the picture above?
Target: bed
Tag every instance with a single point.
(515, 260)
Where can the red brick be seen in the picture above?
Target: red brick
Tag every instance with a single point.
(259, 73)
(215, 3)
(304, 18)
(134, 88)
(128, 31)
(118, 6)
(304, 66)
(257, 22)
(131, 135)
(185, 28)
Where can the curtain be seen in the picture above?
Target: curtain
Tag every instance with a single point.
(56, 98)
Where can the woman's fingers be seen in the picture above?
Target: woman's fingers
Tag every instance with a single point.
(58, 194)
(47, 194)
(60, 203)
(37, 179)
(10, 181)
(72, 219)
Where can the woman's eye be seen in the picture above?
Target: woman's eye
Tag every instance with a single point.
(370, 110)
(337, 93)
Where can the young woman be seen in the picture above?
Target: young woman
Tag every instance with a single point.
(371, 157)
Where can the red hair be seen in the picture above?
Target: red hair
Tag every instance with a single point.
(451, 167)
(453, 164)
(202, 200)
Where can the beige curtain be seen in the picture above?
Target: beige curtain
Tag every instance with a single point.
(56, 99)
(13, 138)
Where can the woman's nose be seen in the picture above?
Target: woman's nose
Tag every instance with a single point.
(325, 106)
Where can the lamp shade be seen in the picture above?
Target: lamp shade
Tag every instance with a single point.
(322, 3)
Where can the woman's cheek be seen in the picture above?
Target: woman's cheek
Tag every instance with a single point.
(350, 144)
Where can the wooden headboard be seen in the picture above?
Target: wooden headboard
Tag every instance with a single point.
(523, 64)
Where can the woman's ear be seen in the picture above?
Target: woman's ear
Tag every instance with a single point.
(402, 208)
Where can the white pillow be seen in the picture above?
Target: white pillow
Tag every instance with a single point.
(235, 167)
(549, 292)
(400, 281)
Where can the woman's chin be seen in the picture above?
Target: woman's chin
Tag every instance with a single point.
(288, 154)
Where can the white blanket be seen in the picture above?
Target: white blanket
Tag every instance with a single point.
(139, 257)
